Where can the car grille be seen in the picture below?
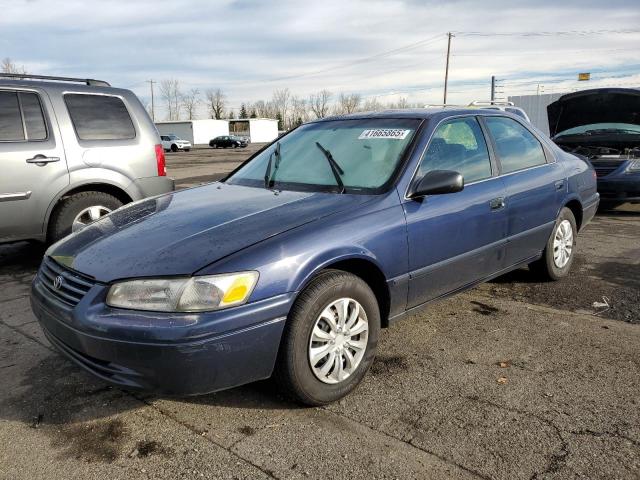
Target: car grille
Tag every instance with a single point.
(604, 168)
(70, 287)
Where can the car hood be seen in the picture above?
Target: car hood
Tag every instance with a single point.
(182, 232)
(601, 105)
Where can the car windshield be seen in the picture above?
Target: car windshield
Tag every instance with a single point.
(173, 137)
(602, 129)
(352, 156)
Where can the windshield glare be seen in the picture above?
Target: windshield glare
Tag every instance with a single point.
(628, 128)
(368, 152)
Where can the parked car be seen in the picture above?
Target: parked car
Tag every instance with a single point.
(72, 150)
(228, 141)
(173, 143)
(603, 125)
(292, 264)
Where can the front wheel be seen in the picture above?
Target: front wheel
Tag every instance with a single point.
(330, 339)
(559, 253)
(174, 148)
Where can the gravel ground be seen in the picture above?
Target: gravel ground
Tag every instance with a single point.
(512, 380)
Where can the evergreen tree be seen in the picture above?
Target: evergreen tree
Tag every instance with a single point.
(243, 111)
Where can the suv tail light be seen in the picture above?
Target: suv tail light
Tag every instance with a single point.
(160, 160)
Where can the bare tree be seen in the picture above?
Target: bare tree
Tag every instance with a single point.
(299, 113)
(373, 105)
(8, 66)
(264, 109)
(281, 101)
(190, 102)
(170, 93)
(319, 103)
(216, 102)
(349, 103)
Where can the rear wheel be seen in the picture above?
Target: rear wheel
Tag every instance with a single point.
(79, 210)
(559, 253)
(330, 339)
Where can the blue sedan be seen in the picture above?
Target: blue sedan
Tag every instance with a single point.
(291, 265)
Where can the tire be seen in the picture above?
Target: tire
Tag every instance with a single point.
(213, 145)
(293, 372)
(235, 145)
(187, 149)
(548, 267)
(61, 221)
(174, 148)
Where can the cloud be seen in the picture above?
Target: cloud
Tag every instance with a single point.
(246, 46)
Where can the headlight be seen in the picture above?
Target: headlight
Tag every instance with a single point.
(634, 166)
(195, 294)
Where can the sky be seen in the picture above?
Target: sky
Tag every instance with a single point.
(382, 49)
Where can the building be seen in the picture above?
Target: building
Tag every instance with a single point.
(199, 132)
(536, 107)
(259, 130)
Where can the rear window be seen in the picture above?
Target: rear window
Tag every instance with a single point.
(99, 117)
(33, 117)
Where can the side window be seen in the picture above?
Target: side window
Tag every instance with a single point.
(99, 117)
(458, 145)
(11, 128)
(33, 116)
(517, 147)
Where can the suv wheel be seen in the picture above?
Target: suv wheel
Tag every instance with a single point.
(559, 253)
(79, 210)
(174, 148)
(330, 339)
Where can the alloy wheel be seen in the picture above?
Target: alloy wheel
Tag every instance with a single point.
(563, 244)
(88, 216)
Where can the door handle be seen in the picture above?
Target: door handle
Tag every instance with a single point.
(42, 159)
(497, 203)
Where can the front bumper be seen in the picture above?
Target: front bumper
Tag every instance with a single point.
(620, 188)
(172, 354)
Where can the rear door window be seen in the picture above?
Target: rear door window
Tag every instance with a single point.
(99, 117)
(11, 128)
(458, 145)
(517, 147)
(33, 116)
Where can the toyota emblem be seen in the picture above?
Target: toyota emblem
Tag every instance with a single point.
(57, 282)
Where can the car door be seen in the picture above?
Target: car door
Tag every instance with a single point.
(458, 238)
(534, 183)
(32, 160)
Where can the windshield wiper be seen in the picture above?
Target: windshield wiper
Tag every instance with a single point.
(335, 168)
(268, 180)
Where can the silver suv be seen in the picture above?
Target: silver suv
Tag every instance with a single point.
(71, 151)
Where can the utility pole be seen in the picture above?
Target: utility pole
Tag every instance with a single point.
(153, 110)
(493, 88)
(446, 72)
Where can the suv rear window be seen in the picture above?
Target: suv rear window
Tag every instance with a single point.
(99, 117)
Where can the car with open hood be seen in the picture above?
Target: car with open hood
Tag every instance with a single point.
(603, 125)
(291, 265)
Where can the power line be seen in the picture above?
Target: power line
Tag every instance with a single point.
(548, 34)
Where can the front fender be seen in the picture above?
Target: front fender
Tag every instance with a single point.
(286, 263)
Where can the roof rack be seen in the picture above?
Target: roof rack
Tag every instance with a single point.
(87, 81)
(501, 103)
(443, 105)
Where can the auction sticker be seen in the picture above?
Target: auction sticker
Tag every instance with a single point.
(393, 133)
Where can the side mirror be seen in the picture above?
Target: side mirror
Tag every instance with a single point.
(437, 182)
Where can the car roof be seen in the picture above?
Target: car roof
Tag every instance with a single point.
(417, 113)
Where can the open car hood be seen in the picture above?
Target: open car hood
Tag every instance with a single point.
(600, 105)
